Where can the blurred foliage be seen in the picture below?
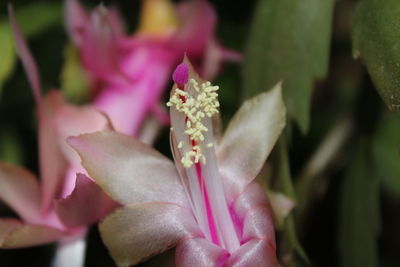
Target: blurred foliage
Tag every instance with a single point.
(289, 41)
(376, 31)
(359, 212)
(290, 244)
(74, 80)
(386, 152)
(10, 147)
(7, 62)
(33, 19)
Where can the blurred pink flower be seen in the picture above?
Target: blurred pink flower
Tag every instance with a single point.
(45, 216)
(130, 73)
(207, 204)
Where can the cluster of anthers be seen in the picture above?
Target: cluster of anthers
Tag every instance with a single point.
(195, 108)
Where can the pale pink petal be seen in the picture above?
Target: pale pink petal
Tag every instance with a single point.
(252, 196)
(128, 170)
(136, 232)
(59, 163)
(86, 205)
(72, 120)
(249, 139)
(20, 190)
(254, 253)
(200, 252)
(254, 218)
(66, 120)
(7, 225)
(281, 205)
(254, 214)
(14, 234)
(26, 57)
(258, 224)
(76, 20)
(53, 164)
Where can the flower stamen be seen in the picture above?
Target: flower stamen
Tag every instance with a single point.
(195, 108)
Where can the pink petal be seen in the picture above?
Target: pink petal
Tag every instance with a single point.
(253, 254)
(53, 164)
(258, 224)
(249, 139)
(196, 38)
(200, 252)
(198, 19)
(100, 39)
(14, 234)
(136, 232)
(76, 20)
(254, 222)
(254, 218)
(128, 170)
(129, 102)
(19, 189)
(281, 205)
(26, 57)
(252, 196)
(214, 55)
(86, 205)
(115, 21)
(61, 121)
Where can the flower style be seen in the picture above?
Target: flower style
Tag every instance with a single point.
(44, 216)
(136, 69)
(207, 204)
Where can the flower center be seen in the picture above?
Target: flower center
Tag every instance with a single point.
(193, 104)
(195, 108)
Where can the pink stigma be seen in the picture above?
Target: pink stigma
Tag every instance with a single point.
(181, 74)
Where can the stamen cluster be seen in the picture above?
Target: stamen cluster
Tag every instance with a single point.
(195, 107)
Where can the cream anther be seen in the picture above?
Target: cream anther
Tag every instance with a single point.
(195, 107)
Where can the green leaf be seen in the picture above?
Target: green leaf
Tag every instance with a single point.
(359, 213)
(8, 57)
(33, 19)
(10, 147)
(284, 184)
(289, 41)
(386, 152)
(74, 81)
(376, 31)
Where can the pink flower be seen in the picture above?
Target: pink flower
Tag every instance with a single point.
(44, 217)
(130, 73)
(207, 204)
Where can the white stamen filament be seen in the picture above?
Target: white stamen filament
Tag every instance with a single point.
(195, 106)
